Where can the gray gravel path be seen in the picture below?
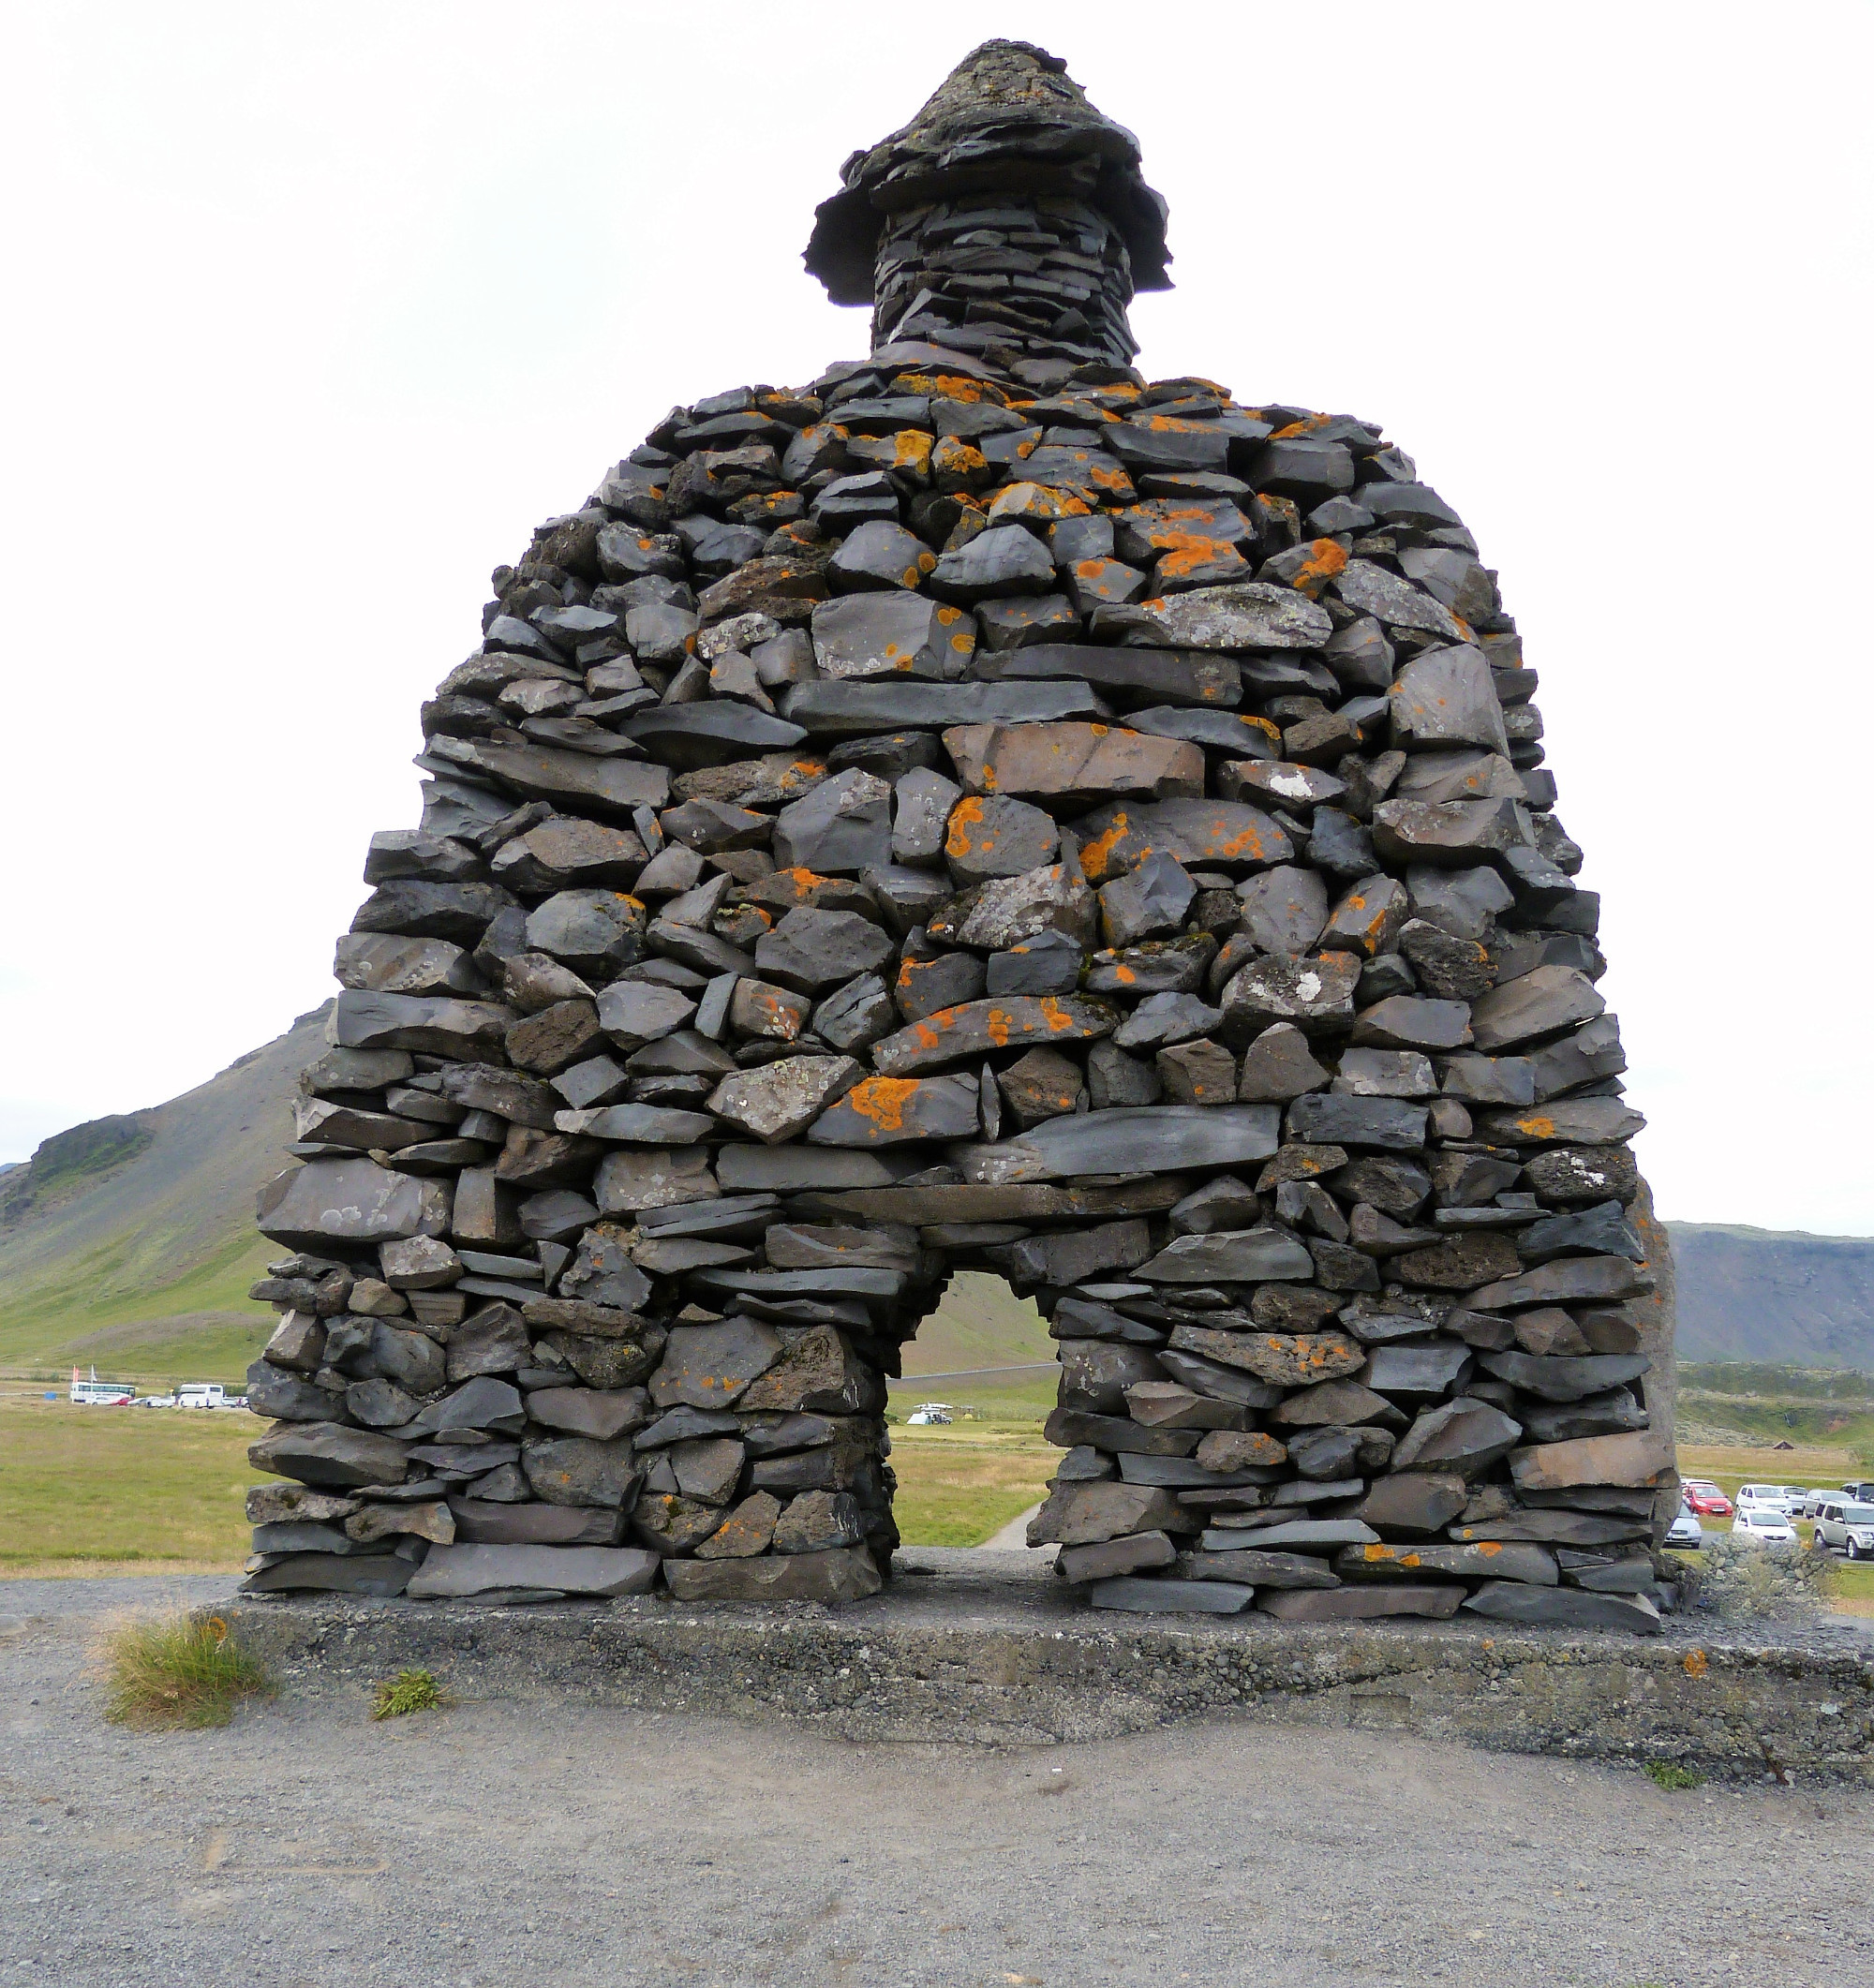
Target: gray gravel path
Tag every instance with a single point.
(306, 1848)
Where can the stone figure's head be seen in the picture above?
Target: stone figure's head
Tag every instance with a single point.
(927, 226)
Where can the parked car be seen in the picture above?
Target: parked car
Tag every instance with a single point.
(1862, 1490)
(155, 1401)
(1764, 1524)
(1771, 1497)
(1819, 1496)
(1686, 1531)
(1705, 1499)
(1848, 1525)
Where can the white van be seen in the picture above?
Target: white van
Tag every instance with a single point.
(202, 1394)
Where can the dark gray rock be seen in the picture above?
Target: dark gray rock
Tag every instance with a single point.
(808, 949)
(1382, 1124)
(1148, 1140)
(1565, 1607)
(1461, 1438)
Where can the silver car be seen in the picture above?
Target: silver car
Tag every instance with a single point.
(1686, 1531)
(1850, 1527)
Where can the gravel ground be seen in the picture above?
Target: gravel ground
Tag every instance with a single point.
(307, 1848)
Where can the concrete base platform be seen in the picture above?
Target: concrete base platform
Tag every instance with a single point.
(985, 1646)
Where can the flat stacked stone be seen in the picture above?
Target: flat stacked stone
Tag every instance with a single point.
(979, 810)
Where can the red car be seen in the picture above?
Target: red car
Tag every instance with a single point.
(1706, 1500)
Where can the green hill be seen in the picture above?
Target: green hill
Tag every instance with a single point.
(129, 1243)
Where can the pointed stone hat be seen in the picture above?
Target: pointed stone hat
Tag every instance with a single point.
(1008, 116)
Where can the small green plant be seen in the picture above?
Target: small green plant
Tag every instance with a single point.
(1669, 1774)
(408, 1691)
(175, 1672)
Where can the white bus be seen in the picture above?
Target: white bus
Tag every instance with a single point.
(202, 1394)
(94, 1393)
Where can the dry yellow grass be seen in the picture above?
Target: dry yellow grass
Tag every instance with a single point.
(1816, 1465)
(959, 1485)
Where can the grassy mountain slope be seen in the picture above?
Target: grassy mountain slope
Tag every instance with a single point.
(981, 1323)
(135, 1252)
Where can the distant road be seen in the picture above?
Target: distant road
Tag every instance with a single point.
(974, 1374)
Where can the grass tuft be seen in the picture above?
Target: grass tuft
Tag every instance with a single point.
(1668, 1773)
(408, 1691)
(173, 1673)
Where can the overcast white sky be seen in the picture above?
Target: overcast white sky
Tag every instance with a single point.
(317, 309)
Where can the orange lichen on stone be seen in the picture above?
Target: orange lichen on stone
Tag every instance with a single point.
(882, 1100)
(1037, 501)
(1096, 855)
(1186, 554)
(950, 386)
(1326, 560)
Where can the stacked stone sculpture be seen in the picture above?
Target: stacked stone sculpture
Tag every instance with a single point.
(981, 810)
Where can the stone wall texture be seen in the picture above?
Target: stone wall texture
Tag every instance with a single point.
(979, 810)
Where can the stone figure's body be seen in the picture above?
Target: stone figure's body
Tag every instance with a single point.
(980, 809)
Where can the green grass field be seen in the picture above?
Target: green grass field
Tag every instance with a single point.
(84, 1490)
(129, 1490)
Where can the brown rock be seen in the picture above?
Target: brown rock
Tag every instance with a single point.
(599, 1413)
(1069, 762)
(1278, 1066)
(1082, 1514)
(1333, 1401)
(670, 1523)
(844, 1574)
(711, 1366)
(1284, 1359)
(1229, 1450)
(434, 1521)
(1550, 1330)
(818, 1373)
(1644, 1457)
(1462, 1264)
(972, 1031)
(1113, 1557)
(1197, 1073)
(555, 1038)
(1043, 1084)
(1413, 1505)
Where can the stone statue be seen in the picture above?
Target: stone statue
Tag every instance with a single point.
(979, 810)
